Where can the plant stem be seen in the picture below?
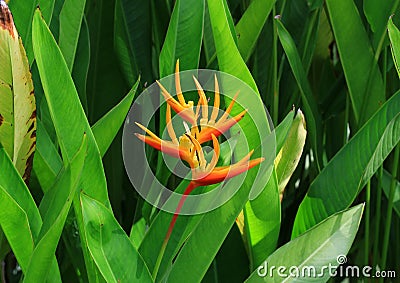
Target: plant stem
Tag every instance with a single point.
(367, 220)
(390, 207)
(346, 119)
(275, 90)
(375, 251)
(187, 191)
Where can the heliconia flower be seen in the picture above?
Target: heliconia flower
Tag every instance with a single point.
(188, 146)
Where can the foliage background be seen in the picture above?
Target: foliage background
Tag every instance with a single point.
(329, 58)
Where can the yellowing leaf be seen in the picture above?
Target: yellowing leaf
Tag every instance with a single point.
(290, 153)
(17, 101)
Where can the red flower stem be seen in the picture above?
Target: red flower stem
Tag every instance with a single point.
(192, 185)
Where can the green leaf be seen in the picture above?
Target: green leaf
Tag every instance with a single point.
(80, 69)
(262, 228)
(23, 14)
(17, 101)
(66, 110)
(250, 25)
(338, 184)
(362, 74)
(107, 242)
(229, 58)
(70, 123)
(310, 107)
(47, 162)
(184, 35)
(55, 206)
(289, 156)
(386, 182)
(123, 44)
(107, 127)
(394, 36)
(377, 13)
(71, 16)
(132, 38)
(19, 217)
(314, 251)
(138, 231)
(282, 130)
(47, 8)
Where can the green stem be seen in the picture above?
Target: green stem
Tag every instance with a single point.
(275, 111)
(346, 119)
(367, 220)
(377, 217)
(390, 207)
(187, 191)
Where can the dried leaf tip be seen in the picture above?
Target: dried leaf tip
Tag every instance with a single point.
(6, 19)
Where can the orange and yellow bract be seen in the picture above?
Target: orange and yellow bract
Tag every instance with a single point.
(188, 146)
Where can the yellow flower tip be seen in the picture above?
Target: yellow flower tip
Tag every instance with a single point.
(140, 137)
(150, 133)
(255, 162)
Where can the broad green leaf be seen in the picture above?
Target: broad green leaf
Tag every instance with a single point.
(262, 228)
(20, 219)
(23, 14)
(261, 233)
(229, 58)
(377, 12)
(310, 107)
(229, 18)
(250, 25)
(17, 101)
(108, 126)
(184, 35)
(394, 36)
(70, 123)
(109, 246)
(138, 231)
(70, 26)
(80, 69)
(132, 38)
(47, 8)
(66, 110)
(47, 162)
(339, 183)
(138, 21)
(386, 182)
(289, 156)
(54, 207)
(313, 252)
(282, 130)
(363, 77)
(208, 40)
(123, 44)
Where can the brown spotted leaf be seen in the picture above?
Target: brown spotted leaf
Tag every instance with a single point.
(17, 101)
